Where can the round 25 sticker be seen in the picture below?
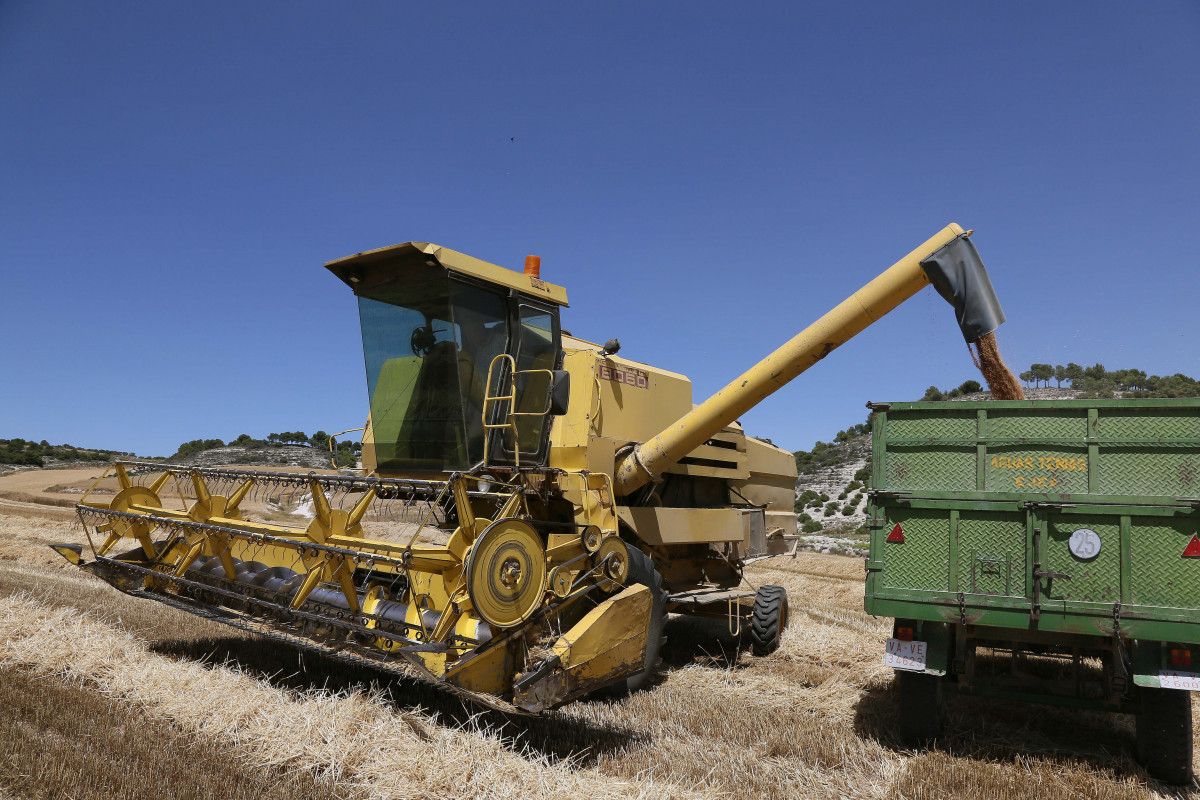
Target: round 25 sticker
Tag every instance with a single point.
(1084, 543)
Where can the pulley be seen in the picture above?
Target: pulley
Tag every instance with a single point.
(506, 573)
(612, 563)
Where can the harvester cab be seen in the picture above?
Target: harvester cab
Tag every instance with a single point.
(533, 504)
(462, 360)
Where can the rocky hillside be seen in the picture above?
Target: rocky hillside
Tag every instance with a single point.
(1050, 393)
(298, 456)
(833, 494)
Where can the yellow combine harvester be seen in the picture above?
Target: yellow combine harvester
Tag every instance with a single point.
(537, 504)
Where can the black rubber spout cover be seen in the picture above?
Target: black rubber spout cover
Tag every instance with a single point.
(958, 274)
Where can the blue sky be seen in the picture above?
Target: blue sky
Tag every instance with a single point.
(704, 178)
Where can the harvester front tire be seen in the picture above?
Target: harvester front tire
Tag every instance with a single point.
(768, 619)
(1164, 734)
(922, 707)
(642, 571)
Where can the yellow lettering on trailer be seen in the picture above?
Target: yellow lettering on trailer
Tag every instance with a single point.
(1052, 463)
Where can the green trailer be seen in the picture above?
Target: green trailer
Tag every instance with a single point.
(1042, 551)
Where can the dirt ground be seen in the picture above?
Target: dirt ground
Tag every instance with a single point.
(108, 696)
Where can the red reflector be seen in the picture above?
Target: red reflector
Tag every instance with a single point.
(904, 634)
(1181, 657)
(897, 535)
(1193, 548)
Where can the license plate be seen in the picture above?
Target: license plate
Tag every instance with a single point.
(905, 655)
(1188, 681)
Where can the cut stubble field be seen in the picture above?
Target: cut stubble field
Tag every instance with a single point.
(106, 696)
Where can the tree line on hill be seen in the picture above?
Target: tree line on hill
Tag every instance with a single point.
(19, 452)
(346, 450)
(1093, 381)
(1098, 381)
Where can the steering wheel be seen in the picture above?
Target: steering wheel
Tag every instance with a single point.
(422, 340)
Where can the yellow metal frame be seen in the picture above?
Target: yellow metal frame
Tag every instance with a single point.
(333, 445)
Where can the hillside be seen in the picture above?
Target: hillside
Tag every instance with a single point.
(22, 453)
(287, 455)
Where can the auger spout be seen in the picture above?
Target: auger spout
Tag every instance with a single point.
(958, 276)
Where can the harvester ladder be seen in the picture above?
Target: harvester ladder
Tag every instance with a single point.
(510, 420)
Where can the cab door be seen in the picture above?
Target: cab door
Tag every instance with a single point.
(519, 428)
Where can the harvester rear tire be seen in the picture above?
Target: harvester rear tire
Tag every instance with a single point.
(922, 707)
(1164, 734)
(768, 619)
(642, 571)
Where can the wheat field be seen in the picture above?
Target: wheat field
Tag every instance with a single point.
(106, 696)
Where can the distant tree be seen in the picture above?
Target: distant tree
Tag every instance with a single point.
(970, 387)
(933, 394)
(289, 437)
(1027, 376)
(1073, 372)
(1042, 372)
(1132, 379)
(1060, 374)
(1096, 372)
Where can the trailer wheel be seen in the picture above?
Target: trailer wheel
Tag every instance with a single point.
(1164, 734)
(922, 707)
(642, 571)
(768, 619)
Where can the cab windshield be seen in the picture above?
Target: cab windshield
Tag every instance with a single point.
(427, 348)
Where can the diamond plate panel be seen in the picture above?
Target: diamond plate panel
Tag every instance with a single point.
(991, 553)
(1148, 424)
(933, 424)
(939, 468)
(922, 560)
(1037, 468)
(1168, 472)
(1159, 575)
(1057, 424)
(1095, 580)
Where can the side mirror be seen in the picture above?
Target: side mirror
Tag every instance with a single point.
(560, 393)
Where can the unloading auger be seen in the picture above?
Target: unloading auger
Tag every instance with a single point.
(533, 506)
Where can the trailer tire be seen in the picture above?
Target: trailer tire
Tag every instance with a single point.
(642, 571)
(1164, 734)
(922, 707)
(768, 619)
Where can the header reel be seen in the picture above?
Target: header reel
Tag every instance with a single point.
(497, 595)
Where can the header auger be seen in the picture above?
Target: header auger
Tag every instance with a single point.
(533, 504)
